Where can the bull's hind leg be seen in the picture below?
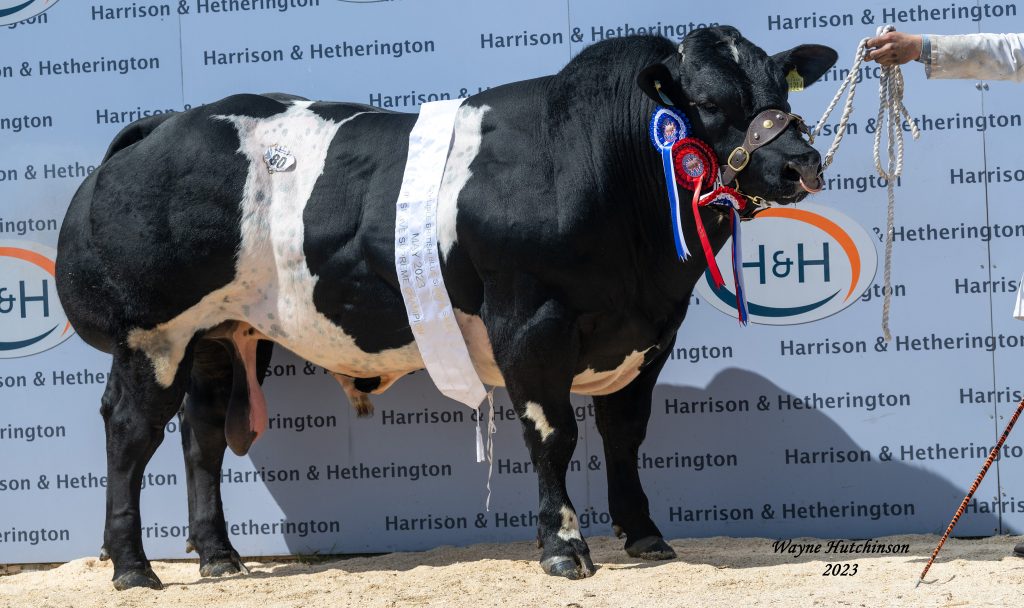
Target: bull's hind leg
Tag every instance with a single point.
(534, 353)
(135, 409)
(622, 421)
(215, 380)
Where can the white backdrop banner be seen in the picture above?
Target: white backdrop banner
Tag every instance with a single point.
(817, 428)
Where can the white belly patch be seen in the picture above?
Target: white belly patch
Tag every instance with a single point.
(273, 287)
(587, 382)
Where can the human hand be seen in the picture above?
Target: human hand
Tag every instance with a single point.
(894, 48)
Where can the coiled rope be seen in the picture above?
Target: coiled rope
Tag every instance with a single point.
(893, 112)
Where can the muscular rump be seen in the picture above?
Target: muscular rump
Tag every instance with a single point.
(156, 226)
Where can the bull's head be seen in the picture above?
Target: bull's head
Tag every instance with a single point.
(723, 82)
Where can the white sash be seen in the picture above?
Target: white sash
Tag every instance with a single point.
(433, 324)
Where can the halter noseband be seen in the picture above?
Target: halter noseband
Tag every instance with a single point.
(767, 126)
(763, 129)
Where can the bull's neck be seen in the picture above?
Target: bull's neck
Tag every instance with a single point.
(634, 196)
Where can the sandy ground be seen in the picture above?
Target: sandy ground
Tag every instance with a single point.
(709, 572)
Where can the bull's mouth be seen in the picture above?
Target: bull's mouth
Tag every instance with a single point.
(792, 198)
(788, 198)
(791, 190)
(801, 190)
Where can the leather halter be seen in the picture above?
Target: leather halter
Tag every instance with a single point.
(764, 129)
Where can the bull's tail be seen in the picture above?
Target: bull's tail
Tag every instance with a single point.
(135, 132)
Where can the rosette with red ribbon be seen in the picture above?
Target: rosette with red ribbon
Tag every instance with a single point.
(697, 169)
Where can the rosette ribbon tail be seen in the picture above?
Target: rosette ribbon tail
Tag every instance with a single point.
(742, 314)
(673, 204)
(716, 275)
(733, 202)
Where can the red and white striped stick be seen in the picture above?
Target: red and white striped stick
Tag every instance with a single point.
(977, 482)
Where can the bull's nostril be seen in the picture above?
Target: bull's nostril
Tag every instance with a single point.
(790, 174)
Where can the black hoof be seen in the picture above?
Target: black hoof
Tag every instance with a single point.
(568, 567)
(651, 547)
(223, 567)
(137, 578)
(1018, 550)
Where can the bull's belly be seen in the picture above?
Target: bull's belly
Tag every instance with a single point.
(285, 314)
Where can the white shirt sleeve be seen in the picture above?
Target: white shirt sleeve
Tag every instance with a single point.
(1018, 307)
(978, 56)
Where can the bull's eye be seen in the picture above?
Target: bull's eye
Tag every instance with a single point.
(708, 106)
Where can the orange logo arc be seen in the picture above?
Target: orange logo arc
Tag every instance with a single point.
(830, 228)
(37, 259)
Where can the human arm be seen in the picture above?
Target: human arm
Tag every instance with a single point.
(979, 56)
(976, 56)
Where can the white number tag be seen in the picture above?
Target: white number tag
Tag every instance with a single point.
(278, 158)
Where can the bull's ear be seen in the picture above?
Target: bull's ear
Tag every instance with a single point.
(809, 60)
(656, 82)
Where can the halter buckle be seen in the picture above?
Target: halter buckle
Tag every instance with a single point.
(742, 162)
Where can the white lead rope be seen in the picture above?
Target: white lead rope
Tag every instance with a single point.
(893, 112)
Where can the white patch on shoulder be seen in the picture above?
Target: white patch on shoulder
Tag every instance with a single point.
(465, 146)
(535, 413)
(570, 525)
(273, 289)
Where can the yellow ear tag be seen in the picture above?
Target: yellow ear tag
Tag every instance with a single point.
(795, 81)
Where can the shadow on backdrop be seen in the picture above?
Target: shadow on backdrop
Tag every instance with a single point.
(758, 440)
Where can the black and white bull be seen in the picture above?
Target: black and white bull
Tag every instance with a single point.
(185, 258)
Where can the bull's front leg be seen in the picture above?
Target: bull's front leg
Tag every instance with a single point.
(622, 421)
(535, 352)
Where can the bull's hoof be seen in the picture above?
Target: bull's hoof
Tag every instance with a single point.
(651, 547)
(215, 569)
(223, 567)
(138, 578)
(569, 567)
